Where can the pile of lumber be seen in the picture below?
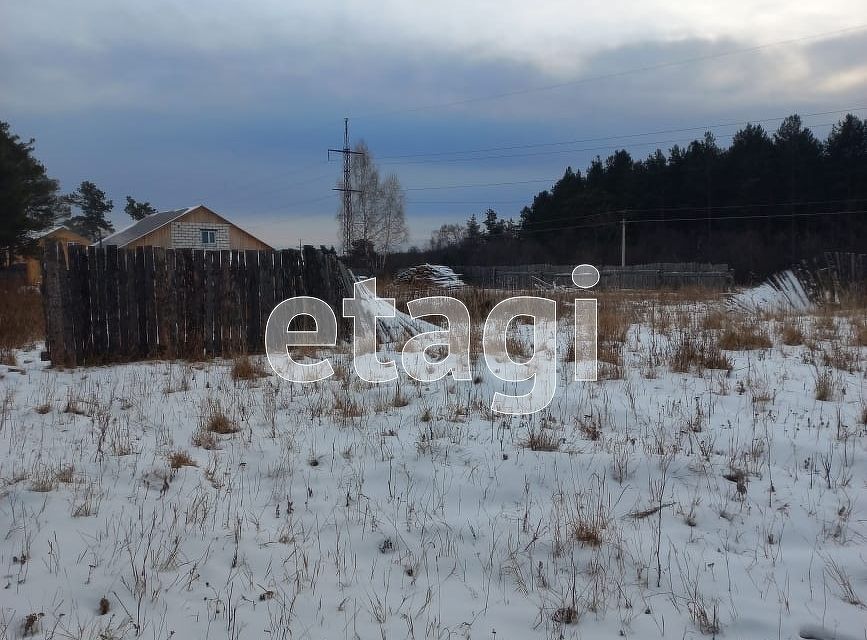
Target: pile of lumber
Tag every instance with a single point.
(429, 275)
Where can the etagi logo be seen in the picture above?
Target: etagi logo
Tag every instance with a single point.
(422, 355)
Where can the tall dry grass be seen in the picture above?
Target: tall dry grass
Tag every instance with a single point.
(22, 322)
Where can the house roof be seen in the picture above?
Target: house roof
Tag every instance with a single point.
(144, 226)
(38, 235)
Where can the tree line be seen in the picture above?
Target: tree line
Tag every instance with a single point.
(31, 201)
(761, 204)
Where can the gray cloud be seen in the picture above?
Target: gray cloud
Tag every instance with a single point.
(234, 105)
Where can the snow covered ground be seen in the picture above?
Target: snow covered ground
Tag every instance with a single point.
(650, 504)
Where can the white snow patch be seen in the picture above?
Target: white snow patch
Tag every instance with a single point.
(781, 292)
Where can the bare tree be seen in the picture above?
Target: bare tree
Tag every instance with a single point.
(378, 206)
(391, 230)
(448, 235)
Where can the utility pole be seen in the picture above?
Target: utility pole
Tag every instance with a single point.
(623, 241)
(347, 189)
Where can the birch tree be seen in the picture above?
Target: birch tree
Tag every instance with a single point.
(378, 205)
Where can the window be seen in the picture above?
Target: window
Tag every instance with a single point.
(209, 236)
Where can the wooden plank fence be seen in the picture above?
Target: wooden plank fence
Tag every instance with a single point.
(109, 304)
(645, 276)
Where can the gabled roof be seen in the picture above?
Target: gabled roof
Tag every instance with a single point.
(45, 233)
(144, 226)
(38, 235)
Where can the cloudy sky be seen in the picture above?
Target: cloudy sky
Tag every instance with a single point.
(234, 104)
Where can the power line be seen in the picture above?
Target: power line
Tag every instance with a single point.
(652, 143)
(245, 186)
(301, 202)
(752, 217)
(470, 186)
(537, 145)
(727, 207)
(468, 202)
(695, 219)
(282, 187)
(615, 74)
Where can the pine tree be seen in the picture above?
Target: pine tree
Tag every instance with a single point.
(29, 201)
(138, 210)
(493, 225)
(93, 206)
(846, 154)
(473, 236)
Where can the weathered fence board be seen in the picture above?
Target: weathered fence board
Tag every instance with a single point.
(646, 276)
(110, 304)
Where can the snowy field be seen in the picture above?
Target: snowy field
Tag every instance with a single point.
(672, 499)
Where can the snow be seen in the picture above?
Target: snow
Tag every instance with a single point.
(392, 326)
(780, 292)
(435, 275)
(348, 510)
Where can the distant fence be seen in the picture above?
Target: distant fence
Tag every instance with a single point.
(647, 276)
(109, 304)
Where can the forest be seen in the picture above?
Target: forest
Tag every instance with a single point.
(766, 201)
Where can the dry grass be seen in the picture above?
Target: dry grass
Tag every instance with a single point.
(610, 357)
(743, 336)
(21, 319)
(346, 407)
(246, 368)
(517, 348)
(840, 576)
(304, 352)
(791, 333)
(66, 474)
(825, 327)
(180, 458)
(824, 387)
(43, 480)
(590, 427)
(542, 440)
(400, 399)
(714, 321)
(841, 358)
(205, 440)
(566, 615)
(479, 302)
(216, 421)
(695, 354)
(613, 322)
(859, 332)
(592, 516)
(587, 534)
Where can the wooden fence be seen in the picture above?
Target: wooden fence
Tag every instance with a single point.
(849, 271)
(645, 276)
(109, 304)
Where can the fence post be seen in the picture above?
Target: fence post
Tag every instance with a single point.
(54, 272)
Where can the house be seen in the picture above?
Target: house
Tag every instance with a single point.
(191, 228)
(33, 264)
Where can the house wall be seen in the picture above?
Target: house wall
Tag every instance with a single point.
(187, 231)
(188, 235)
(33, 264)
